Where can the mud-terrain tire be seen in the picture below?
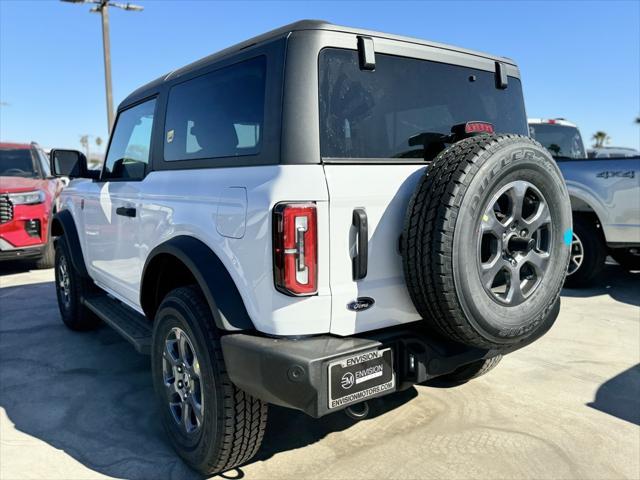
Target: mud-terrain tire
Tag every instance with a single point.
(626, 259)
(588, 240)
(466, 373)
(489, 208)
(71, 288)
(224, 426)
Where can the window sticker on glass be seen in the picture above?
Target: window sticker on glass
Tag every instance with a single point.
(170, 135)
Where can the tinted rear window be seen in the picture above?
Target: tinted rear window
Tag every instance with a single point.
(220, 114)
(17, 163)
(561, 140)
(373, 114)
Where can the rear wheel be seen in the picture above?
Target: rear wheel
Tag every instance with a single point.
(213, 425)
(486, 249)
(588, 253)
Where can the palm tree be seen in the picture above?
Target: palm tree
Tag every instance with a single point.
(84, 141)
(638, 120)
(98, 141)
(600, 138)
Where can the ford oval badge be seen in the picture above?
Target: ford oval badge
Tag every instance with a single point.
(361, 304)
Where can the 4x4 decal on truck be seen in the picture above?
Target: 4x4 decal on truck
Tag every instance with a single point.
(617, 174)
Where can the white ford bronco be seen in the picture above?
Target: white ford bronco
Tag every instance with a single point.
(313, 218)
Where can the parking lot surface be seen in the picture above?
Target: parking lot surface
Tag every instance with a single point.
(80, 405)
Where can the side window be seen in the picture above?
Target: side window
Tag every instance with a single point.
(220, 114)
(128, 154)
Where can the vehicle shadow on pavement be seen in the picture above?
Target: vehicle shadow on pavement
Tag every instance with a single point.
(616, 282)
(620, 396)
(91, 396)
(11, 267)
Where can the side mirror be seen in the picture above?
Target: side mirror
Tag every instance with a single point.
(70, 163)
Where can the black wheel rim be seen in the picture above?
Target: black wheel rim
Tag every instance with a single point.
(577, 255)
(515, 243)
(181, 377)
(63, 282)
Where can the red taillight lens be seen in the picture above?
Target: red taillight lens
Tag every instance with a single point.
(295, 248)
(478, 127)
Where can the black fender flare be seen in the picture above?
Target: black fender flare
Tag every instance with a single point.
(64, 225)
(219, 289)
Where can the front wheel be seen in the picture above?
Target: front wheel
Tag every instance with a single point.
(71, 288)
(213, 425)
(48, 257)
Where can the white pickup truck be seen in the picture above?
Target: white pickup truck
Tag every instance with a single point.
(605, 200)
(312, 218)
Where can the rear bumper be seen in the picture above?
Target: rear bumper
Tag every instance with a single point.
(294, 373)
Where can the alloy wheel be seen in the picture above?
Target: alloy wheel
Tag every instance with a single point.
(64, 285)
(515, 243)
(577, 255)
(181, 376)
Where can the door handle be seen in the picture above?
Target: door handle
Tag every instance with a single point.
(360, 262)
(126, 211)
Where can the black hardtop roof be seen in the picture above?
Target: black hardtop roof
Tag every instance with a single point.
(285, 30)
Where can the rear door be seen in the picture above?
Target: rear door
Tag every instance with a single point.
(374, 156)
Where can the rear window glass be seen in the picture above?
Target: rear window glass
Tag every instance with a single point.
(373, 114)
(220, 114)
(17, 163)
(564, 142)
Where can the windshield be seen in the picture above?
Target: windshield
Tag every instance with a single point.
(17, 163)
(374, 114)
(561, 140)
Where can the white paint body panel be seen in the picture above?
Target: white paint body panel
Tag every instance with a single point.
(230, 210)
(384, 192)
(191, 202)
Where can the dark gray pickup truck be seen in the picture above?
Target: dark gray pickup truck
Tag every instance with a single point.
(605, 200)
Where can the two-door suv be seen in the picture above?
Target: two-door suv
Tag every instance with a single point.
(312, 218)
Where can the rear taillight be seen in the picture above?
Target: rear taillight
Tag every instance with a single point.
(295, 248)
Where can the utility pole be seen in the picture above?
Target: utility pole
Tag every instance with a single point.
(104, 13)
(101, 6)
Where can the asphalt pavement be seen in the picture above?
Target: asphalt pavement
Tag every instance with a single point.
(81, 405)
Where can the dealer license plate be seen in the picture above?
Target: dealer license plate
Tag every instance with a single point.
(359, 377)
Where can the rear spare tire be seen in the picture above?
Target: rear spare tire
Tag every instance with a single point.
(486, 240)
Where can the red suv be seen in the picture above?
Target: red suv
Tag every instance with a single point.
(28, 197)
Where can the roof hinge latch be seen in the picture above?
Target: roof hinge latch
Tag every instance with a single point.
(366, 53)
(501, 76)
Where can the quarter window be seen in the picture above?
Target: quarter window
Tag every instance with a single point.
(220, 114)
(128, 155)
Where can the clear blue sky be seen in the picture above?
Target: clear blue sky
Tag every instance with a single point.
(579, 60)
